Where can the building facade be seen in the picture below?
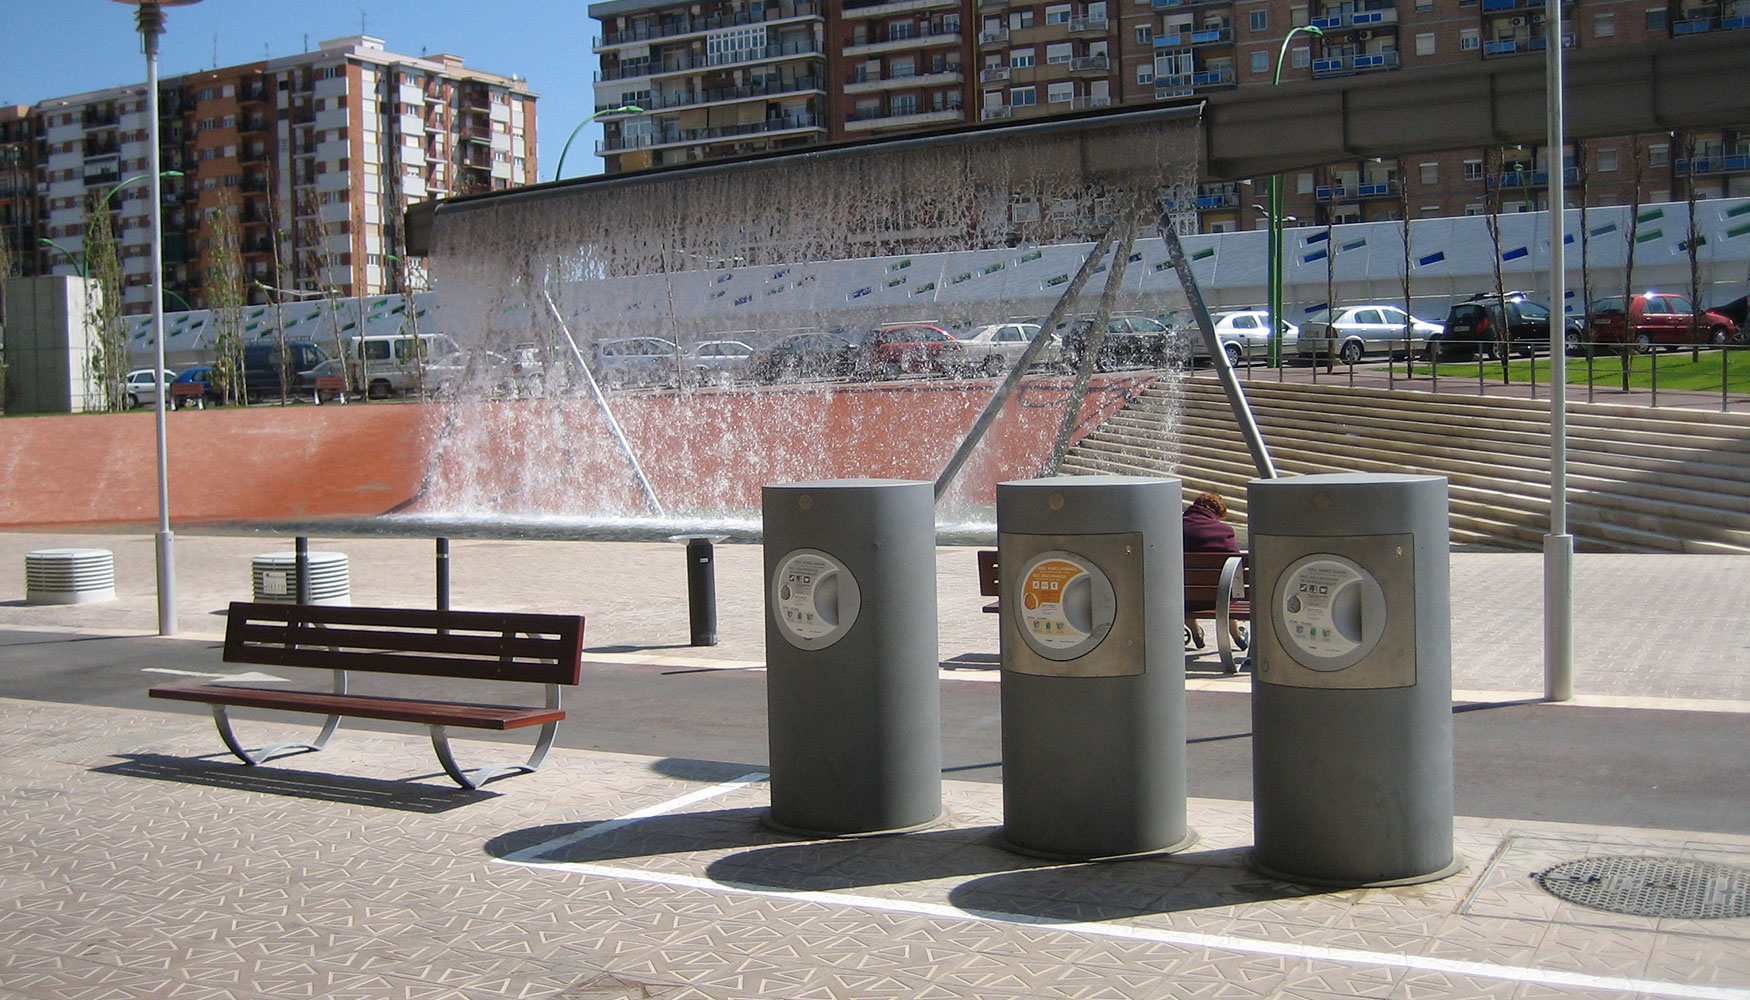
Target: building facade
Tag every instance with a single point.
(721, 78)
(313, 158)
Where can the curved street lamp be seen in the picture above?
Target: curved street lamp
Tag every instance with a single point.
(1275, 245)
(79, 260)
(624, 109)
(149, 17)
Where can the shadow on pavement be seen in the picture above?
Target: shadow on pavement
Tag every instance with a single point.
(400, 795)
(1116, 890)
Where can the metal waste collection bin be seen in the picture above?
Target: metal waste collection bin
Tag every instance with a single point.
(1091, 571)
(852, 674)
(1352, 701)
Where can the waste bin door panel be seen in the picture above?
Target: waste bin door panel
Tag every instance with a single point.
(1338, 612)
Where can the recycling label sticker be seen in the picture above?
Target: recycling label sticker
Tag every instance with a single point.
(1321, 605)
(815, 599)
(1066, 605)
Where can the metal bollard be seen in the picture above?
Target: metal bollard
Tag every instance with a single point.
(301, 550)
(443, 574)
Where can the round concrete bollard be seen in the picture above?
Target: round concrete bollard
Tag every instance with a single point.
(852, 675)
(1093, 681)
(1352, 702)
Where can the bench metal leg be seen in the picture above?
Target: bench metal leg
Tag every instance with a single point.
(222, 719)
(1224, 593)
(440, 742)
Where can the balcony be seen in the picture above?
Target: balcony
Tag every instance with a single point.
(253, 93)
(774, 14)
(1490, 6)
(253, 124)
(994, 74)
(107, 147)
(1534, 179)
(1090, 103)
(1348, 65)
(1712, 165)
(1357, 19)
(1089, 26)
(1181, 84)
(1387, 188)
(1090, 65)
(861, 121)
(100, 119)
(725, 95)
(686, 62)
(1175, 4)
(861, 83)
(997, 37)
(692, 136)
(888, 8)
(1217, 35)
(994, 114)
(904, 36)
(1520, 46)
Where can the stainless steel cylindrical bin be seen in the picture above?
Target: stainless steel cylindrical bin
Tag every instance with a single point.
(852, 674)
(1352, 700)
(275, 578)
(1092, 578)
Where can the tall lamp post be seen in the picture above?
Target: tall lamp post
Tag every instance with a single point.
(1275, 245)
(149, 16)
(624, 109)
(1558, 545)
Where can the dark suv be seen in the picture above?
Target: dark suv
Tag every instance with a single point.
(262, 364)
(1479, 325)
(1130, 342)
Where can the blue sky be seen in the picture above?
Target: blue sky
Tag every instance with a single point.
(58, 47)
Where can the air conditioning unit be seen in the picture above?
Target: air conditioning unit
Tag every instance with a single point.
(1538, 18)
(1517, 22)
(1364, 35)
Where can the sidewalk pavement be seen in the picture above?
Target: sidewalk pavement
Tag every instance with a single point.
(137, 860)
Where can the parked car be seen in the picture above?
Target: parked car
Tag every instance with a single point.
(394, 364)
(1656, 318)
(142, 388)
(996, 347)
(201, 376)
(1354, 331)
(264, 363)
(714, 362)
(631, 361)
(807, 355)
(1130, 342)
(906, 348)
(1244, 336)
(1478, 325)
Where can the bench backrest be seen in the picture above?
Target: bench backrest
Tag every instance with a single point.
(989, 584)
(1203, 576)
(486, 645)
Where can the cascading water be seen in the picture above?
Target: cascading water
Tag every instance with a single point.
(959, 232)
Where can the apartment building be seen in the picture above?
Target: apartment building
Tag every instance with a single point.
(314, 157)
(17, 189)
(721, 78)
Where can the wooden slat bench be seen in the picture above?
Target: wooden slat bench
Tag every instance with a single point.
(1220, 582)
(332, 386)
(989, 584)
(184, 393)
(497, 646)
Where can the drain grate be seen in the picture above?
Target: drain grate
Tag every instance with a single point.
(1652, 887)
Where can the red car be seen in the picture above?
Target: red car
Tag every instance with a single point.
(1657, 318)
(904, 348)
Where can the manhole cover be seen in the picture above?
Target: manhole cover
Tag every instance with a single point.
(1652, 887)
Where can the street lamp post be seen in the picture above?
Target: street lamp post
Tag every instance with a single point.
(149, 16)
(624, 109)
(1275, 243)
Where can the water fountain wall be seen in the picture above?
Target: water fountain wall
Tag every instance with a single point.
(960, 231)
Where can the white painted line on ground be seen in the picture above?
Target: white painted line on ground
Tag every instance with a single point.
(253, 676)
(532, 855)
(1183, 939)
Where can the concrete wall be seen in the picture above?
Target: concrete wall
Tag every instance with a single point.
(48, 346)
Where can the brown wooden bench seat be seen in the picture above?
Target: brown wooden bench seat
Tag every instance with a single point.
(497, 646)
(1221, 583)
(989, 584)
(330, 386)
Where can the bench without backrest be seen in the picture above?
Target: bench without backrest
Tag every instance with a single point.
(1220, 583)
(498, 646)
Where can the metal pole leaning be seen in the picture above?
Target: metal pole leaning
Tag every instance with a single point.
(601, 402)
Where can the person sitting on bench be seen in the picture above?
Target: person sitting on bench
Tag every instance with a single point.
(1206, 530)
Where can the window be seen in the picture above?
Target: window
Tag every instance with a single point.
(1658, 156)
(902, 68)
(1658, 19)
(1020, 19)
(1058, 53)
(1297, 16)
(1057, 13)
(1145, 34)
(1424, 6)
(1145, 74)
(1430, 173)
(905, 104)
(1261, 61)
(1425, 43)
(1023, 97)
(1473, 170)
(1259, 20)
(1603, 25)
(1301, 57)
(1469, 39)
(1606, 160)
(1060, 93)
(1303, 183)
(1020, 58)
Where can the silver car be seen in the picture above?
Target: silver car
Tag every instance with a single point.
(1244, 336)
(994, 348)
(717, 362)
(1357, 330)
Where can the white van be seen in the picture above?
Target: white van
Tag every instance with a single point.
(397, 364)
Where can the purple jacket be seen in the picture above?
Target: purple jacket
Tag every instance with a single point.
(1204, 532)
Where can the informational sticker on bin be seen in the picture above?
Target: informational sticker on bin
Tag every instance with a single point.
(815, 598)
(1066, 605)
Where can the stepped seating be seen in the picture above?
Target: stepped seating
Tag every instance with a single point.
(1640, 479)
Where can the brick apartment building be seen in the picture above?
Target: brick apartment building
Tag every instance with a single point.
(315, 156)
(722, 78)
